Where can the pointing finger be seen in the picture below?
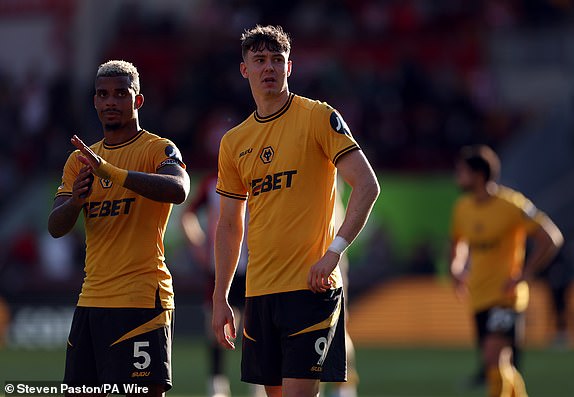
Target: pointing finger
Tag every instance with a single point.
(77, 142)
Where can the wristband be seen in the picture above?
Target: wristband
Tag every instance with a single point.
(339, 245)
(111, 172)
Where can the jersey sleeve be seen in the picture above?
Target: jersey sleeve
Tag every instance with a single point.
(455, 228)
(229, 183)
(71, 171)
(332, 133)
(165, 152)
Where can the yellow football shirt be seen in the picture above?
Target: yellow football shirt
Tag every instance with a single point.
(284, 166)
(496, 231)
(124, 231)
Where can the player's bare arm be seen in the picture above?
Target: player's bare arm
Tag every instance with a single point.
(228, 237)
(458, 266)
(169, 185)
(358, 173)
(546, 241)
(66, 209)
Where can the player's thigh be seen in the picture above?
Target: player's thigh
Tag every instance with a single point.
(274, 391)
(300, 387)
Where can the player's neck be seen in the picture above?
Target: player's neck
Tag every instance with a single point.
(270, 104)
(484, 192)
(121, 135)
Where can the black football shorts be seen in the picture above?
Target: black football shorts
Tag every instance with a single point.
(118, 346)
(297, 334)
(498, 320)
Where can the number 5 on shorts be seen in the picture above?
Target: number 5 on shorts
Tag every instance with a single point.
(140, 353)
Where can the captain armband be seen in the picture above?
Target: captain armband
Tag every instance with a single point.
(339, 245)
(111, 172)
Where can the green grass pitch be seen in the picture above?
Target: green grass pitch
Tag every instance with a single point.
(383, 371)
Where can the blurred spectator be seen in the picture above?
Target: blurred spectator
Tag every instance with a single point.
(61, 259)
(415, 83)
(34, 104)
(4, 321)
(422, 259)
(375, 264)
(21, 265)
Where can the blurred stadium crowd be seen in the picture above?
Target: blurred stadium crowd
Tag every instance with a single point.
(415, 80)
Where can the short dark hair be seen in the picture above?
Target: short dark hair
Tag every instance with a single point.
(116, 68)
(273, 38)
(481, 158)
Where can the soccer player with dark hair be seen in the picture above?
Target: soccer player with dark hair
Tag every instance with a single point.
(282, 162)
(124, 186)
(491, 224)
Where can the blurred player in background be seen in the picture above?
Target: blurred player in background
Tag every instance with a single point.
(490, 227)
(283, 162)
(124, 186)
(201, 239)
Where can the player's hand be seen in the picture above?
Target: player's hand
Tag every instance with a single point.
(223, 324)
(460, 286)
(88, 157)
(318, 277)
(82, 187)
(510, 286)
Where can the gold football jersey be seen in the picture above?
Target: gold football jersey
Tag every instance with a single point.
(496, 231)
(284, 166)
(124, 231)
